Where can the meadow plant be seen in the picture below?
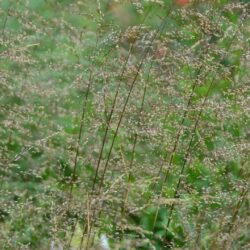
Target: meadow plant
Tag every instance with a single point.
(124, 124)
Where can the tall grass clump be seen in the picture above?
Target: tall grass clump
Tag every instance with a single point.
(124, 124)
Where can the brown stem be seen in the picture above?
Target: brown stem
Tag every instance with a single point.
(110, 118)
(79, 137)
(135, 141)
(188, 151)
(143, 58)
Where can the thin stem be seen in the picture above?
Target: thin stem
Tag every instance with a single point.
(79, 137)
(177, 139)
(84, 104)
(188, 151)
(143, 58)
(190, 146)
(176, 142)
(110, 118)
(241, 200)
(135, 140)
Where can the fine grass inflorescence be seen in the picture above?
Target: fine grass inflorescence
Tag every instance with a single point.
(124, 124)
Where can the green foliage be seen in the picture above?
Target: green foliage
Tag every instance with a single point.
(127, 119)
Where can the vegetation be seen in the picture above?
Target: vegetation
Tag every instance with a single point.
(124, 124)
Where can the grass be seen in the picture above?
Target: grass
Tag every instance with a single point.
(126, 122)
